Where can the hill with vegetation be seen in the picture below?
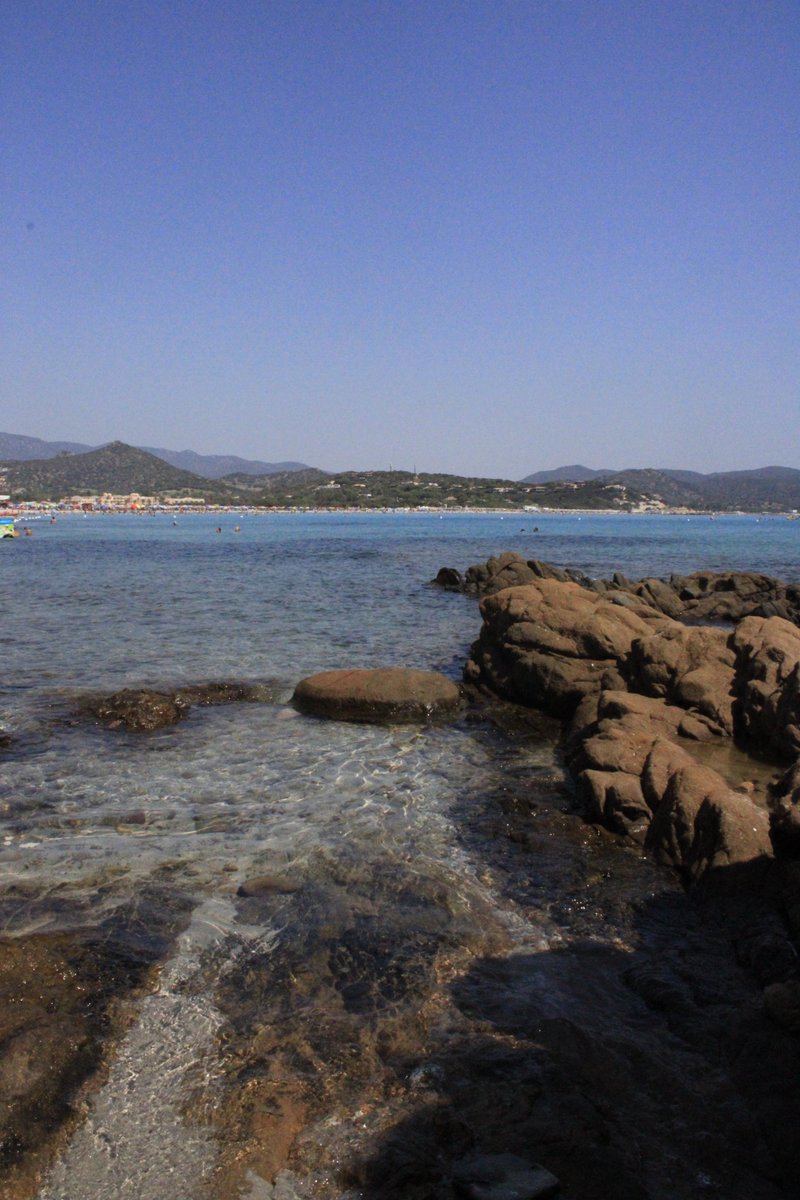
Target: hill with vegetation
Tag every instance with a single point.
(115, 468)
(121, 469)
(766, 489)
(405, 489)
(573, 474)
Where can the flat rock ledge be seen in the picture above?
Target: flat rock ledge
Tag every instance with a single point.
(383, 695)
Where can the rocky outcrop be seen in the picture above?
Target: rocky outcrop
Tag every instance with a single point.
(512, 570)
(768, 684)
(643, 694)
(786, 814)
(149, 709)
(549, 644)
(705, 596)
(385, 694)
(634, 776)
(690, 666)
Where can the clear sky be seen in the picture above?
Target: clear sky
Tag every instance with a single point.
(482, 236)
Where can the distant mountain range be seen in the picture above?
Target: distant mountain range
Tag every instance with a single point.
(53, 470)
(210, 466)
(765, 488)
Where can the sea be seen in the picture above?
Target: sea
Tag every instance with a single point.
(378, 832)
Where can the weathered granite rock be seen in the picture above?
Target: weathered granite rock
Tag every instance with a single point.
(691, 666)
(385, 694)
(512, 570)
(732, 595)
(699, 823)
(633, 776)
(767, 710)
(608, 756)
(551, 643)
(640, 688)
(786, 813)
(702, 597)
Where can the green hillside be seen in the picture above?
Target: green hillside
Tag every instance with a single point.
(115, 468)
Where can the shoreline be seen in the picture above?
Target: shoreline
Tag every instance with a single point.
(39, 511)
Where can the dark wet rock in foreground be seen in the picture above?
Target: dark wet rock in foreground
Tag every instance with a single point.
(149, 709)
(384, 694)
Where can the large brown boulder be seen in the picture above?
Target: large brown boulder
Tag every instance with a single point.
(699, 823)
(384, 694)
(550, 643)
(690, 666)
(768, 684)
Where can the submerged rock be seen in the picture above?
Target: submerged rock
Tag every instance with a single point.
(148, 709)
(265, 885)
(450, 579)
(385, 694)
(138, 708)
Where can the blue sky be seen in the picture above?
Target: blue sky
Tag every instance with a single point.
(486, 238)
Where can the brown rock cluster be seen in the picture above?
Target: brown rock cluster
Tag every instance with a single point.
(702, 596)
(656, 707)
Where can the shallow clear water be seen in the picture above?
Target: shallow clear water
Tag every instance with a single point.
(103, 602)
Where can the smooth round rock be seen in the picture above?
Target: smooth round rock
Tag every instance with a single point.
(385, 694)
(264, 885)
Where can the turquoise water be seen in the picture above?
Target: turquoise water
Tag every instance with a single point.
(90, 815)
